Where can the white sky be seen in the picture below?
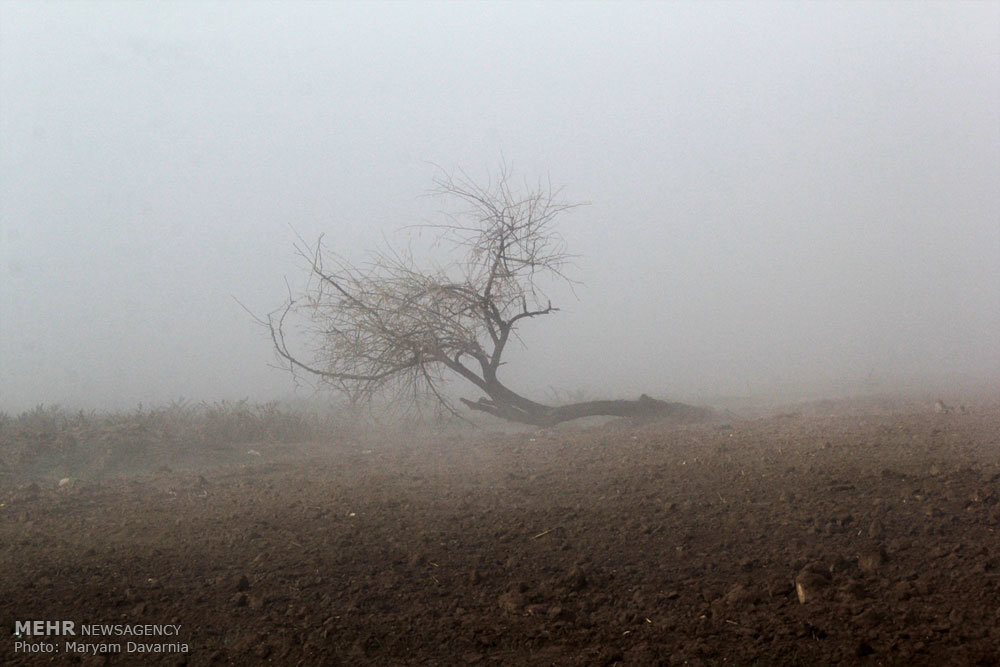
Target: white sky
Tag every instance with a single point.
(784, 197)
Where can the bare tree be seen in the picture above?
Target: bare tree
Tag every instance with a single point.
(387, 326)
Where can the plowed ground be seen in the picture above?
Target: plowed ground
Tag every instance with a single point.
(618, 544)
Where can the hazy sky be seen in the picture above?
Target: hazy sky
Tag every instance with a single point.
(782, 196)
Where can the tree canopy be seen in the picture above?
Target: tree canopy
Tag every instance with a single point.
(391, 326)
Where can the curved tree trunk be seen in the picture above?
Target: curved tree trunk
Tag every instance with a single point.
(549, 416)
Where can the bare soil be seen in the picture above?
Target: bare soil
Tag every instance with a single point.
(626, 543)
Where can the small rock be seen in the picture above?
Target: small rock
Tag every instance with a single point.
(984, 495)
(811, 582)
(511, 602)
(808, 586)
(65, 481)
(243, 584)
(576, 579)
(239, 600)
(738, 594)
(871, 560)
(902, 590)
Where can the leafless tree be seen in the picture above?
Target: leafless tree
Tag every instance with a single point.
(387, 326)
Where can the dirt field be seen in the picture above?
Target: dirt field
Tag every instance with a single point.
(631, 544)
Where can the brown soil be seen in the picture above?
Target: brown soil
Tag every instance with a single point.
(623, 543)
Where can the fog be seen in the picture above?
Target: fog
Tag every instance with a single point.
(791, 198)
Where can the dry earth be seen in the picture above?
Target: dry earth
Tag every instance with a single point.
(625, 543)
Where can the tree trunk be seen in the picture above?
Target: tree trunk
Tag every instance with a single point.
(550, 416)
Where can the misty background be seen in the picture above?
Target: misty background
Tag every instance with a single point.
(794, 199)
